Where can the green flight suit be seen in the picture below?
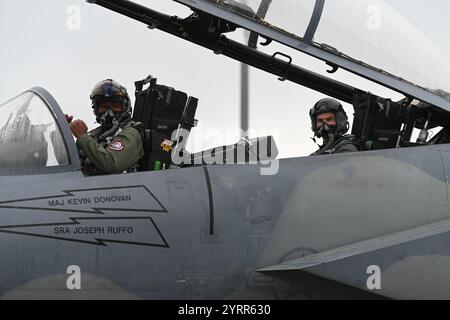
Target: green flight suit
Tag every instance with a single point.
(346, 143)
(117, 154)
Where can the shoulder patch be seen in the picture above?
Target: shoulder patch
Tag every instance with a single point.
(116, 146)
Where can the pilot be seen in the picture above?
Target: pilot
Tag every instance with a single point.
(330, 122)
(117, 145)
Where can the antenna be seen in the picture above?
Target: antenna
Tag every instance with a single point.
(245, 99)
(245, 96)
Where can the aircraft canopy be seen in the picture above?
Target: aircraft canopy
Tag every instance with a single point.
(366, 37)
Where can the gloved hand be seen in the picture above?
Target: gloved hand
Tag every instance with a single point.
(79, 128)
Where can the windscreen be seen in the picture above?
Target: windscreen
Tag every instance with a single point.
(29, 135)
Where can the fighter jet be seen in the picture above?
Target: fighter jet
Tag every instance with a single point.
(371, 224)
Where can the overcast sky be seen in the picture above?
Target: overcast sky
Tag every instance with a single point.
(38, 49)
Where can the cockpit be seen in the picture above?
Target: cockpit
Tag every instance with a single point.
(371, 40)
(35, 136)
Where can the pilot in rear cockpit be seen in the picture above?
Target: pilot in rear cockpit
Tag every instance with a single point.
(330, 122)
(117, 145)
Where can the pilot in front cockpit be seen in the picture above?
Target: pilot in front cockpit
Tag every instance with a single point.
(330, 122)
(117, 145)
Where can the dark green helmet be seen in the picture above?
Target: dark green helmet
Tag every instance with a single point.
(325, 106)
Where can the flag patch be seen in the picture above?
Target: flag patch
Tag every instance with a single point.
(116, 146)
